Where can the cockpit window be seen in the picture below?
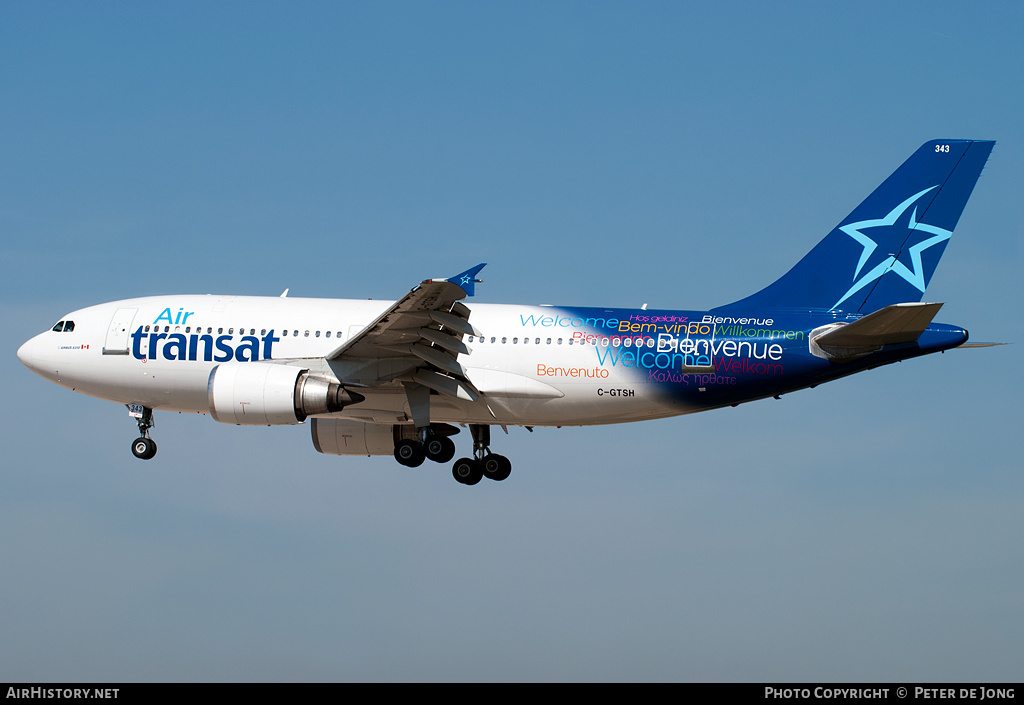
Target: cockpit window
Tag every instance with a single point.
(59, 327)
(65, 326)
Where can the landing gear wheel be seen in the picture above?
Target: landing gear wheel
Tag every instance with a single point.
(497, 467)
(467, 471)
(440, 449)
(143, 448)
(409, 453)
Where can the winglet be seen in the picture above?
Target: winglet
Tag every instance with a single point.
(467, 280)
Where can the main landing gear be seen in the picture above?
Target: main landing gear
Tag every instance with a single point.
(432, 443)
(484, 463)
(143, 447)
(412, 453)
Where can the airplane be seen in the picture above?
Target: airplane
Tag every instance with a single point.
(400, 378)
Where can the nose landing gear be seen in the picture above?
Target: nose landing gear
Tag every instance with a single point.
(143, 447)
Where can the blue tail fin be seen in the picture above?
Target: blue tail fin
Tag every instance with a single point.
(886, 250)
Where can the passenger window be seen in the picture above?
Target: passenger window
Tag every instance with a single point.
(285, 334)
(549, 341)
(317, 335)
(295, 334)
(515, 341)
(504, 340)
(167, 329)
(252, 331)
(328, 334)
(338, 335)
(492, 338)
(536, 341)
(307, 334)
(263, 331)
(219, 331)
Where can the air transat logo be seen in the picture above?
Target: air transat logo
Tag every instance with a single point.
(891, 263)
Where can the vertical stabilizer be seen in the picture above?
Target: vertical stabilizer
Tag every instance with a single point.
(886, 250)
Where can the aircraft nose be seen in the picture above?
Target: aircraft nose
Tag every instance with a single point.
(28, 353)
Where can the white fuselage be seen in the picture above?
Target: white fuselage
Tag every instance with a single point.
(531, 367)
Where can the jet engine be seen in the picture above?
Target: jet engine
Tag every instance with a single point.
(269, 393)
(344, 437)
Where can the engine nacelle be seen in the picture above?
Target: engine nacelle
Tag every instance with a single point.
(344, 437)
(269, 394)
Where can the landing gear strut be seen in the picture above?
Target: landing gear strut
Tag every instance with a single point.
(484, 463)
(143, 447)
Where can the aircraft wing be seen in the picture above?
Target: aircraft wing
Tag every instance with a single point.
(418, 339)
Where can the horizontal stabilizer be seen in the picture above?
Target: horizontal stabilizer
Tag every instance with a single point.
(898, 323)
(893, 325)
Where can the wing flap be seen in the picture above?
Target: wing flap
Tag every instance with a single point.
(448, 386)
(438, 358)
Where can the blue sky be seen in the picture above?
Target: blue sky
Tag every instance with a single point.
(593, 154)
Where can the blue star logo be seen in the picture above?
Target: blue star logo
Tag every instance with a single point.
(915, 276)
(466, 280)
